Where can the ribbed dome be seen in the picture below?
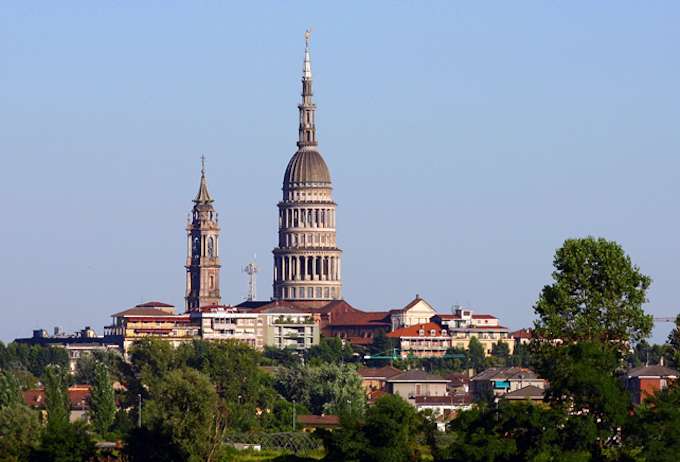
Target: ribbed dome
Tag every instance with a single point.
(306, 166)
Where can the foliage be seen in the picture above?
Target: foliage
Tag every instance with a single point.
(644, 354)
(654, 429)
(86, 366)
(102, 400)
(476, 354)
(10, 391)
(184, 412)
(674, 343)
(329, 350)
(597, 295)
(57, 403)
(64, 442)
(388, 433)
(285, 357)
(31, 358)
(327, 388)
(19, 432)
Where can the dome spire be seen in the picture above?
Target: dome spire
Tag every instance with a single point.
(307, 109)
(203, 196)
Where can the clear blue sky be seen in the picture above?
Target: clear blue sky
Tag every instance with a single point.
(465, 141)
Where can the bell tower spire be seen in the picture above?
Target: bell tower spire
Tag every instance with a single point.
(307, 108)
(203, 262)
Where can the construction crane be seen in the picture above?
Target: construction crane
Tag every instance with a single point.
(251, 270)
(663, 319)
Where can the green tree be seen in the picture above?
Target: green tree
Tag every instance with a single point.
(328, 388)
(184, 411)
(64, 443)
(477, 354)
(10, 391)
(57, 402)
(500, 353)
(329, 350)
(674, 342)
(102, 400)
(597, 295)
(19, 432)
(389, 433)
(654, 429)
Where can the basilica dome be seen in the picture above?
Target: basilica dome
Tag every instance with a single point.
(306, 166)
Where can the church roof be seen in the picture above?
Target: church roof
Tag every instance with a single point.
(306, 167)
(203, 196)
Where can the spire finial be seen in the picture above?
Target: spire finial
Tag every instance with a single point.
(307, 69)
(203, 195)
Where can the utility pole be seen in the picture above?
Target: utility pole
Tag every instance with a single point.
(139, 411)
(251, 270)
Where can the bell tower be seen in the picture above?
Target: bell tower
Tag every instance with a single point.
(203, 262)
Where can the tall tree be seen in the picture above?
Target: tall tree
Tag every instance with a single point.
(19, 432)
(10, 391)
(57, 402)
(184, 412)
(674, 342)
(476, 354)
(102, 400)
(597, 295)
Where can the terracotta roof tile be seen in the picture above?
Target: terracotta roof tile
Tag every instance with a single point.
(415, 375)
(378, 372)
(414, 330)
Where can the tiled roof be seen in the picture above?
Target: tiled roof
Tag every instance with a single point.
(77, 396)
(522, 333)
(413, 331)
(506, 373)
(361, 318)
(415, 375)
(145, 311)
(483, 316)
(458, 379)
(321, 420)
(528, 392)
(652, 371)
(378, 372)
(154, 304)
(410, 305)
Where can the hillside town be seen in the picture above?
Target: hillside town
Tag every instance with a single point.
(307, 374)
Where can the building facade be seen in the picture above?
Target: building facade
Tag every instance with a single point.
(307, 261)
(203, 251)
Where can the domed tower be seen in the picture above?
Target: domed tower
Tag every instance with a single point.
(203, 260)
(307, 259)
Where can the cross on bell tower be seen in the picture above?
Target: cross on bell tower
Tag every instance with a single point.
(203, 262)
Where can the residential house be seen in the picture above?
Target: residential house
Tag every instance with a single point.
(643, 382)
(374, 380)
(422, 340)
(78, 396)
(414, 383)
(220, 322)
(464, 324)
(150, 320)
(528, 393)
(288, 327)
(497, 381)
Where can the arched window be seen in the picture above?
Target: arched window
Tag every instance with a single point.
(211, 247)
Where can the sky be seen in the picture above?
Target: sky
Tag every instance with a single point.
(466, 141)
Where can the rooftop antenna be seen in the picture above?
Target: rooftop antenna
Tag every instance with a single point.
(251, 270)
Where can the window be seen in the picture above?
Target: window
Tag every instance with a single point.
(433, 332)
(211, 247)
(421, 332)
